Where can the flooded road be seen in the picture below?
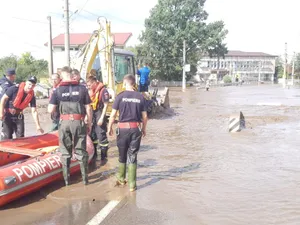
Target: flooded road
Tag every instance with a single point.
(191, 170)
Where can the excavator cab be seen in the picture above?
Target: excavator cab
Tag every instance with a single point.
(123, 64)
(100, 57)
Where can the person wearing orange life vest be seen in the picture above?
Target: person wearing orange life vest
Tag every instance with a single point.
(73, 102)
(100, 98)
(12, 104)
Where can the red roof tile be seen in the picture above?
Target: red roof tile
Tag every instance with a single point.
(81, 38)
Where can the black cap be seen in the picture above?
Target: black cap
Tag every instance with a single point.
(10, 72)
(32, 79)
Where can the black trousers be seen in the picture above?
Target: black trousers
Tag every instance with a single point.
(12, 124)
(99, 132)
(128, 142)
(143, 88)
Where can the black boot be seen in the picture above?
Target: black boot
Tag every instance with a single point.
(66, 170)
(84, 170)
(104, 153)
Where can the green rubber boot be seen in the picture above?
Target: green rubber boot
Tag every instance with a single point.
(121, 174)
(132, 176)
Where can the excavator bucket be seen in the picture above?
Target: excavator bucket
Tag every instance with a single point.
(157, 101)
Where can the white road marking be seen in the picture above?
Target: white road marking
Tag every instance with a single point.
(103, 213)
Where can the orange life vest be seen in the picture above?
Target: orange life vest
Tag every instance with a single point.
(66, 83)
(18, 103)
(96, 95)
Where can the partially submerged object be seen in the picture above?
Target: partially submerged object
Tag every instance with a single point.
(236, 122)
(32, 167)
(157, 101)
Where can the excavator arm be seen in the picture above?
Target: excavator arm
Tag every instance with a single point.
(100, 44)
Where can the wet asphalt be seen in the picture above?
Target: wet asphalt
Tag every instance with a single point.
(191, 170)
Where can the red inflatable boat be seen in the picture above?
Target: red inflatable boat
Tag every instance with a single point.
(31, 163)
(34, 142)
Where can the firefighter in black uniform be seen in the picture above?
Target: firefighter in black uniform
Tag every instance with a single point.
(132, 112)
(100, 98)
(13, 102)
(7, 81)
(74, 104)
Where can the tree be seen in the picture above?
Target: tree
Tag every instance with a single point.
(278, 68)
(215, 46)
(297, 63)
(25, 66)
(170, 23)
(8, 62)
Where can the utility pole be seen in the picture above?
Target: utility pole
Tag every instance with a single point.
(293, 68)
(67, 35)
(285, 62)
(183, 69)
(50, 62)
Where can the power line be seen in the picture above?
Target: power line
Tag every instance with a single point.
(109, 15)
(36, 46)
(77, 12)
(33, 21)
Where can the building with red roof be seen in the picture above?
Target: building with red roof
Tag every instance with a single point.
(77, 40)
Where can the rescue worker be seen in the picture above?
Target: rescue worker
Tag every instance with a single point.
(76, 76)
(100, 98)
(207, 85)
(13, 102)
(7, 81)
(74, 104)
(55, 78)
(237, 78)
(144, 78)
(132, 112)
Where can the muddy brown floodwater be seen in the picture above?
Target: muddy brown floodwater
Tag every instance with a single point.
(191, 170)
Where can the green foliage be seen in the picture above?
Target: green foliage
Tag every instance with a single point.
(8, 62)
(227, 79)
(25, 66)
(297, 63)
(279, 68)
(170, 23)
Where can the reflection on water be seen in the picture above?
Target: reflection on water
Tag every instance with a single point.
(247, 178)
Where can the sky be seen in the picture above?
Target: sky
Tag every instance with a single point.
(253, 25)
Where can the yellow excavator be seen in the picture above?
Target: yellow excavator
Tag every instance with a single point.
(99, 57)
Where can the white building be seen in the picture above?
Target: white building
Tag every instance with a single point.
(248, 65)
(77, 40)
